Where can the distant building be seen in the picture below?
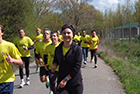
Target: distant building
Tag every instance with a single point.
(134, 30)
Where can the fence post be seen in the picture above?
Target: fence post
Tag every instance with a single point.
(115, 34)
(129, 33)
(122, 34)
(139, 33)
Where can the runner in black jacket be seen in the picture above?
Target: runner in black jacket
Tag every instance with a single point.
(68, 56)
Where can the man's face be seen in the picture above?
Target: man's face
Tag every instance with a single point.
(83, 32)
(93, 34)
(78, 34)
(38, 32)
(21, 33)
(1, 33)
(46, 34)
(54, 37)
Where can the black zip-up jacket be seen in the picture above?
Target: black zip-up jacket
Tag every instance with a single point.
(69, 64)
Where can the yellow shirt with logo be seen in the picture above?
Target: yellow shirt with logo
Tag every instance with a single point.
(77, 38)
(83, 39)
(37, 38)
(20, 42)
(50, 51)
(95, 40)
(40, 49)
(6, 73)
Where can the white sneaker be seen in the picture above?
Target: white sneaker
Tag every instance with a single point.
(37, 69)
(85, 62)
(50, 92)
(47, 82)
(22, 83)
(28, 81)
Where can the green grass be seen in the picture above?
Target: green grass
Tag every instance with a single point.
(126, 63)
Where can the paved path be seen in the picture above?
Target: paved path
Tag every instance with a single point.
(101, 80)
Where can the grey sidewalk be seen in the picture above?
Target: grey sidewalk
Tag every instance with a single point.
(100, 80)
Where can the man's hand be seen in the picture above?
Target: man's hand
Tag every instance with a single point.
(62, 84)
(25, 48)
(39, 40)
(53, 68)
(46, 67)
(40, 61)
(9, 59)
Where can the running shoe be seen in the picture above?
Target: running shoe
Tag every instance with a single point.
(85, 62)
(47, 83)
(22, 83)
(27, 81)
(50, 92)
(95, 66)
(37, 69)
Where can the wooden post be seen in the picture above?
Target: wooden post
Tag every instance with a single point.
(122, 34)
(129, 33)
(139, 33)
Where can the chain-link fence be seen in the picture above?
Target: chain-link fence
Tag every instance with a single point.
(128, 33)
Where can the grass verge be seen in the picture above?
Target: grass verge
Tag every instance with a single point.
(128, 72)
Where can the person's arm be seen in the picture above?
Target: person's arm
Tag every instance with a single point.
(45, 59)
(28, 48)
(17, 62)
(30, 44)
(31, 47)
(60, 39)
(77, 65)
(74, 70)
(38, 56)
(55, 62)
(89, 42)
(98, 41)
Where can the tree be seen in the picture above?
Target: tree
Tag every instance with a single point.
(136, 14)
(52, 21)
(14, 15)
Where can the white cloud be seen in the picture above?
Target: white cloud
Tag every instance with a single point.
(103, 5)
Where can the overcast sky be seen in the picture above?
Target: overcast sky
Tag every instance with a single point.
(107, 4)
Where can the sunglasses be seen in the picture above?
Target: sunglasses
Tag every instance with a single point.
(46, 33)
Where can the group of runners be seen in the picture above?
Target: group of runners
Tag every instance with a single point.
(58, 58)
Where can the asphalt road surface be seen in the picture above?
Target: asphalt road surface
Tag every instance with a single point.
(100, 80)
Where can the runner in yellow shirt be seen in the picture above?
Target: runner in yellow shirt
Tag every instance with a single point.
(93, 41)
(77, 39)
(85, 46)
(40, 48)
(24, 45)
(48, 59)
(37, 38)
(9, 54)
(60, 39)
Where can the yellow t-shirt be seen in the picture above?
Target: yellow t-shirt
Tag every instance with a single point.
(77, 38)
(86, 38)
(37, 38)
(6, 73)
(40, 48)
(95, 40)
(65, 50)
(50, 51)
(20, 42)
(61, 37)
